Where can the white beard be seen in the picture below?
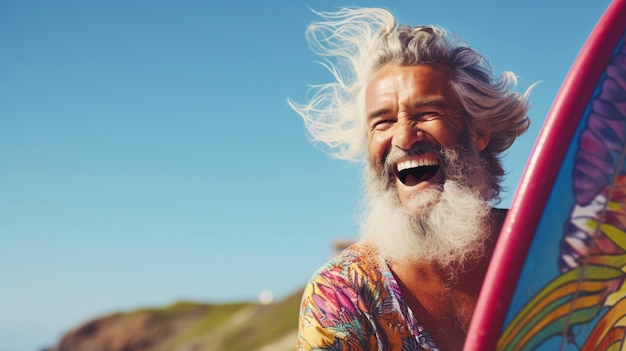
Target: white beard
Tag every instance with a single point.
(448, 225)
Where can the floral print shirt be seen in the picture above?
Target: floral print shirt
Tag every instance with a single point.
(354, 303)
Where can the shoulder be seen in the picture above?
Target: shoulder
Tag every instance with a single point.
(499, 212)
(358, 260)
(353, 276)
(498, 215)
(354, 303)
(356, 282)
(335, 311)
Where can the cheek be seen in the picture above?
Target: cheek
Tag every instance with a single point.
(448, 134)
(377, 149)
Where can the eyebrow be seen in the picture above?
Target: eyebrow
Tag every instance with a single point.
(376, 113)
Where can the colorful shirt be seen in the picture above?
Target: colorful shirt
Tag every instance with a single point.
(354, 303)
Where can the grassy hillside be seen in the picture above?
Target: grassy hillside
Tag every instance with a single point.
(190, 326)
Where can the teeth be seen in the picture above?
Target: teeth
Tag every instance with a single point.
(416, 163)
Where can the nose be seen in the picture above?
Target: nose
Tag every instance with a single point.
(407, 133)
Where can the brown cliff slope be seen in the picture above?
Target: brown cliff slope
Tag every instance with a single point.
(187, 326)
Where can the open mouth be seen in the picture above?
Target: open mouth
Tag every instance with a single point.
(412, 172)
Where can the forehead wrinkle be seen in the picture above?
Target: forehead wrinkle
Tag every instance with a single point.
(436, 102)
(383, 102)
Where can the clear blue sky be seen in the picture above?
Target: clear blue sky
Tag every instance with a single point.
(148, 155)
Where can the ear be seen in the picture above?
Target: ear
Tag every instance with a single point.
(481, 140)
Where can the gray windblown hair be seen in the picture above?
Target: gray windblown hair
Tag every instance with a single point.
(357, 42)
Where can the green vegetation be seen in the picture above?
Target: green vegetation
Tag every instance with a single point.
(194, 326)
(270, 322)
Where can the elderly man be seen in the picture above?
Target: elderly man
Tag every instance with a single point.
(428, 117)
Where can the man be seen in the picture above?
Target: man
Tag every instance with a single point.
(430, 120)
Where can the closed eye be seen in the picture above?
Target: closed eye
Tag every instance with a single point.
(381, 124)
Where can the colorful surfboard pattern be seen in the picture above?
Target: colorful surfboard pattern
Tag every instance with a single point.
(583, 307)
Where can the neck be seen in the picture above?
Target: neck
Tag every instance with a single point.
(442, 300)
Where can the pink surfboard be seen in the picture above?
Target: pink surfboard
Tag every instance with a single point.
(557, 278)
